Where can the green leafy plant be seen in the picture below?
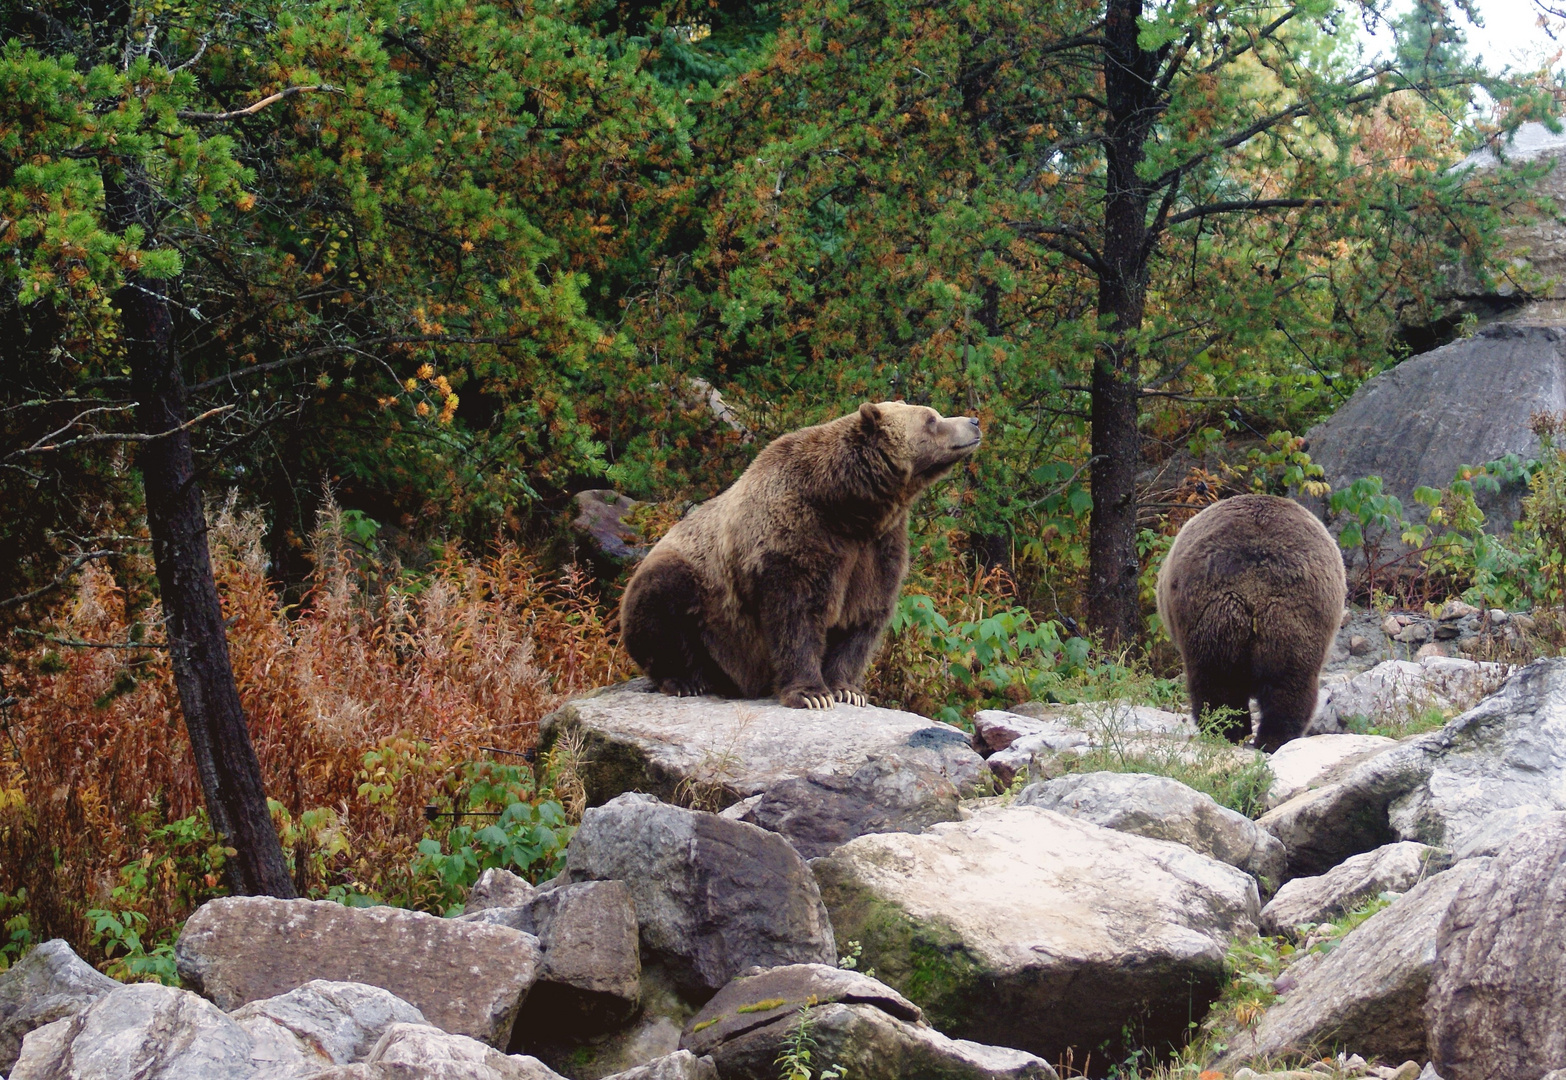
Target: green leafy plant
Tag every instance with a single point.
(797, 1059)
(528, 834)
(17, 927)
(120, 936)
(1006, 654)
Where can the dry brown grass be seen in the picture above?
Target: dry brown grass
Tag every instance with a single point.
(419, 672)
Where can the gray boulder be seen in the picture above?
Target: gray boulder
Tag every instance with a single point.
(321, 1023)
(1462, 404)
(1323, 826)
(599, 521)
(49, 983)
(1538, 266)
(754, 1000)
(1368, 993)
(1508, 751)
(822, 811)
(424, 1052)
(1497, 1008)
(1302, 765)
(1496, 830)
(712, 896)
(1442, 788)
(1164, 809)
(498, 888)
(1393, 868)
(852, 769)
(872, 1045)
(468, 978)
(1026, 928)
(1405, 690)
(680, 1065)
(144, 1030)
(589, 979)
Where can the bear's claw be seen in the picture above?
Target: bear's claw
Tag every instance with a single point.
(683, 688)
(850, 696)
(808, 699)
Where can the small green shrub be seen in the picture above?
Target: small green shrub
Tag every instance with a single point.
(17, 927)
(119, 935)
(528, 835)
(1007, 655)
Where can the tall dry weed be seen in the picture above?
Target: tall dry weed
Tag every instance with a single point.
(361, 706)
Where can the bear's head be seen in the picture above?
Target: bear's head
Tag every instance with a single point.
(919, 439)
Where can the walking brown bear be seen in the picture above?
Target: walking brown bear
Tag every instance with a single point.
(784, 583)
(1252, 595)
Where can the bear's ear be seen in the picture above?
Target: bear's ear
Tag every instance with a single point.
(869, 416)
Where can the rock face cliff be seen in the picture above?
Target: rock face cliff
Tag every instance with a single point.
(1466, 403)
(1470, 401)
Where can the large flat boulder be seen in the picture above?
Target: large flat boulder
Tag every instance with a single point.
(468, 978)
(869, 1044)
(1026, 928)
(1302, 765)
(1497, 1009)
(712, 896)
(1367, 995)
(852, 769)
(1164, 809)
(50, 983)
(1462, 404)
(1394, 868)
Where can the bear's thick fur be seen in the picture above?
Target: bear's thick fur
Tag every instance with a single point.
(1252, 595)
(784, 583)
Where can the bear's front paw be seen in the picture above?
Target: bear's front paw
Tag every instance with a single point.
(689, 686)
(807, 699)
(850, 695)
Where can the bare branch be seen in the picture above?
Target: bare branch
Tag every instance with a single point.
(78, 643)
(103, 437)
(251, 110)
(59, 579)
(1237, 206)
(348, 346)
(1066, 239)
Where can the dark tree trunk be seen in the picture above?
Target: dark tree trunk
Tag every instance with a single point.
(1135, 101)
(193, 616)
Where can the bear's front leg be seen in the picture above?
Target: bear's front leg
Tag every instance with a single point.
(848, 652)
(791, 620)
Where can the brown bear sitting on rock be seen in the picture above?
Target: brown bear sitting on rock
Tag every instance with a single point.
(1252, 595)
(784, 583)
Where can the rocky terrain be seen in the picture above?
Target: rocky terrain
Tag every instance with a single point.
(753, 883)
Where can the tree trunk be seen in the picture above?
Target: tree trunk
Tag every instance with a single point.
(193, 616)
(1134, 104)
